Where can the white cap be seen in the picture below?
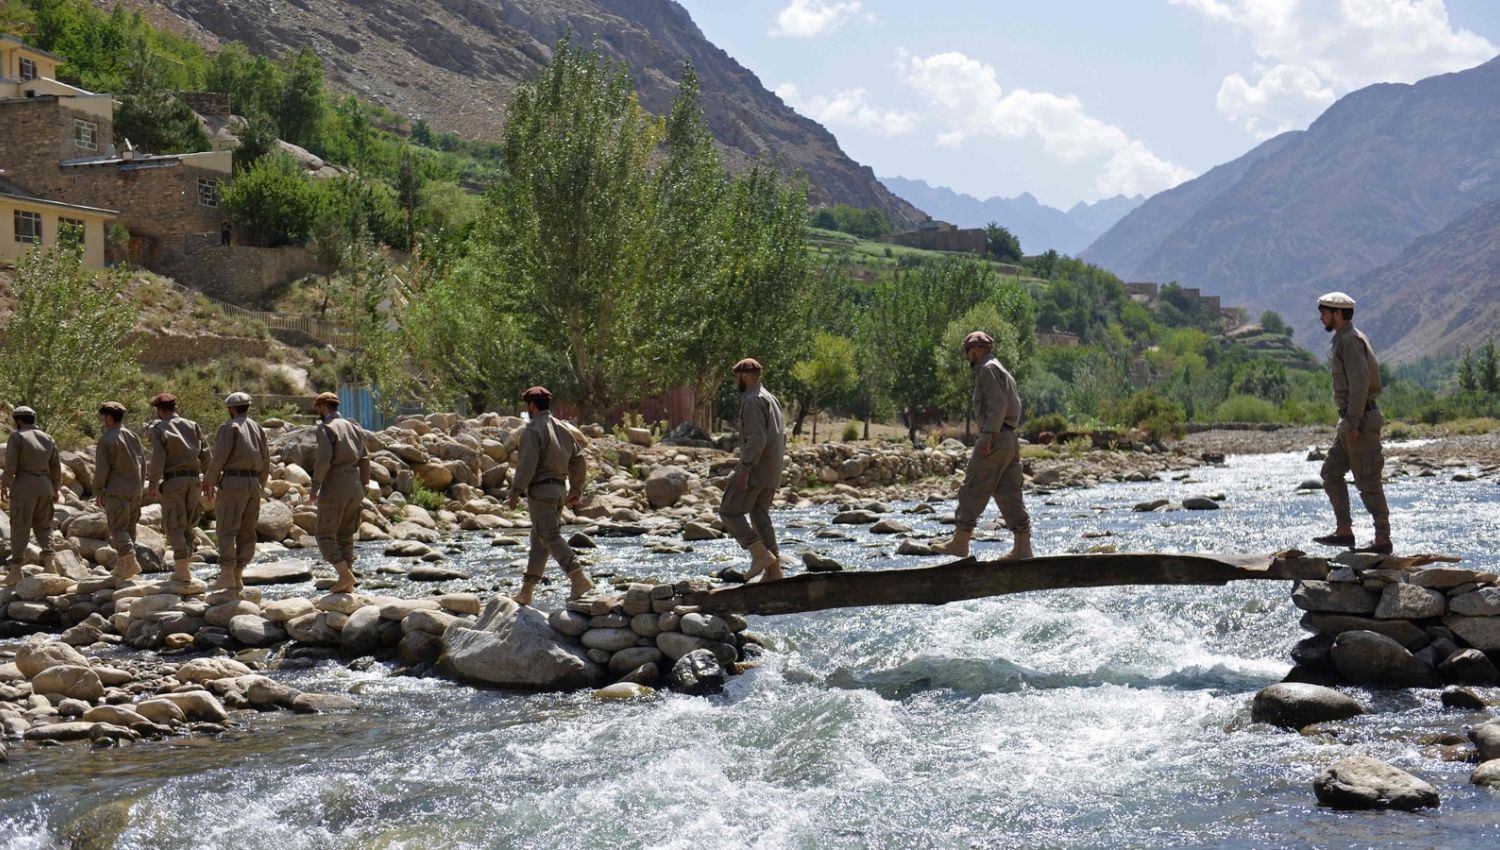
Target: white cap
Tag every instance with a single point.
(23, 410)
(237, 400)
(1336, 300)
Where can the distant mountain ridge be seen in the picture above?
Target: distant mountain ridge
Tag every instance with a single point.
(1345, 202)
(1038, 226)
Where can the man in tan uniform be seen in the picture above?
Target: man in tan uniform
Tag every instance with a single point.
(550, 472)
(1356, 445)
(340, 474)
(995, 465)
(237, 470)
(179, 451)
(758, 473)
(32, 482)
(119, 471)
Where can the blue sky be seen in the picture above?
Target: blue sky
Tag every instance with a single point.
(1080, 99)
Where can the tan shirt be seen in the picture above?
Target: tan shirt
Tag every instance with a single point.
(1356, 374)
(177, 445)
(762, 437)
(239, 445)
(996, 402)
(342, 467)
(549, 451)
(32, 466)
(119, 463)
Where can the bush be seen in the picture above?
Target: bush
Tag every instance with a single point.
(1245, 408)
(429, 500)
(275, 201)
(1054, 422)
(1159, 417)
(851, 432)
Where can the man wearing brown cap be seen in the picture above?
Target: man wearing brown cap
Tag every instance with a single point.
(757, 475)
(32, 481)
(179, 451)
(550, 472)
(340, 475)
(237, 470)
(995, 465)
(119, 471)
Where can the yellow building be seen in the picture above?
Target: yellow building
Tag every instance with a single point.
(28, 221)
(26, 71)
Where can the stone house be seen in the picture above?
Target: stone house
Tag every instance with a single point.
(28, 221)
(934, 235)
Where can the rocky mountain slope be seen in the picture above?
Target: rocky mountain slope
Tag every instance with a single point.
(1383, 167)
(456, 62)
(1038, 226)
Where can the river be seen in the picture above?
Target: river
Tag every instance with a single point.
(1097, 718)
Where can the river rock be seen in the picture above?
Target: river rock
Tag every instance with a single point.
(73, 730)
(1361, 782)
(118, 715)
(609, 640)
(675, 645)
(1337, 598)
(1407, 634)
(916, 547)
(201, 670)
(626, 660)
(579, 540)
(697, 673)
(665, 485)
(419, 648)
(1310, 484)
(467, 604)
(69, 680)
(312, 628)
(512, 646)
(1486, 738)
(570, 623)
(266, 694)
(1469, 667)
(819, 564)
(1462, 699)
(1151, 506)
(283, 610)
(646, 625)
(33, 658)
(278, 572)
(1482, 633)
(307, 703)
(220, 615)
(198, 706)
(1443, 578)
(1295, 705)
(162, 712)
(432, 622)
(1484, 602)
(696, 531)
(275, 520)
(254, 631)
(856, 517)
(35, 588)
(890, 526)
(361, 632)
(1486, 774)
(1367, 658)
(646, 674)
(706, 626)
(1409, 602)
(342, 603)
(1200, 503)
(623, 690)
(433, 573)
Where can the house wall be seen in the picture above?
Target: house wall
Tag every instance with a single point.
(238, 274)
(93, 230)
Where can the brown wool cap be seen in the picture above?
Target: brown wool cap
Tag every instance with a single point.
(749, 364)
(978, 338)
(164, 400)
(112, 407)
(536, 393)
(327, 398)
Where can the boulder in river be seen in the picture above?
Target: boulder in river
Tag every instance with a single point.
(278, 572)
(1295, 705)
(1361, 782)
(697, 673)
(513, 646)
(1367, 658)
(1486, 738)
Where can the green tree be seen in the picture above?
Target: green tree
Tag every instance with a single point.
(257, 138)
(275, 201)
(1489, 368)
(409, 184)
(955, 377)
(1468, 374)
(827, 372)
(1001, 243)
(68, 342)
(1272, 323)
(302, 102)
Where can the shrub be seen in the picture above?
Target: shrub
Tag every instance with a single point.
(1159, 417)
(1033, 427)
(1245, 408)
(851, 432)
(426, 499)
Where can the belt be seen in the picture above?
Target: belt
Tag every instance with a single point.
(1007, 427)
(1369, 406)
(550, 481)
(181, 473)
(241, 473)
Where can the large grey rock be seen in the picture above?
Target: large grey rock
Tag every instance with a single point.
(570, 623)
(706, 626)
(609, 640)
(1409, 602)
(70, 681)
(1484, 602)
(512, 646)
(33, 658)
(1443, 578)
(1482, 633)
(279, 572)
(1487, 774)
(254, 631)
(361, 632)
(697, 673)
(275, 520)
(1200, 503)
(1360, 782)
(856, 517)
(1462, 699)
(1336, 598)
(1294, 705)
(196, 705)
(1367, 658)
(1486, 738)
(1469, 667)
(201, 670)
(626, 660)
(1404, 633)
(674, 645)
(666, 484)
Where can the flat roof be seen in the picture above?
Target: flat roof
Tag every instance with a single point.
(11, 190)
(37, 50)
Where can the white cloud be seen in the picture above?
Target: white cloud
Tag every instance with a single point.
(850, 108)
(1313, 51)
(969, 100)
(808, 18)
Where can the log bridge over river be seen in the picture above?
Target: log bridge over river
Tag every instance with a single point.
(973, 579)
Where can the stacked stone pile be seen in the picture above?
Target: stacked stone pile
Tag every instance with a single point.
(1378, 622)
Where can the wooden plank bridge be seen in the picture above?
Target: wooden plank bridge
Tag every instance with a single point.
(971, 579)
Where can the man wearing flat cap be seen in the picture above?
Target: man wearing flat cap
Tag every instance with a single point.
(753, 483)
(179, 451)
(237, 470)
(994, 470)
(119, 472)
(550, 472)
(32, 481)
(1356, 445)
(341, 472)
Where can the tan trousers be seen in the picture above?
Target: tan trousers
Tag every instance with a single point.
(338, 520)
(235, 514)
(756, 502)
(997, 476)
(180, 510)
(544, 502)
(123, 514)
(1366, 459)
(29, 516)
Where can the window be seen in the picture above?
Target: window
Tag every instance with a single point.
(28, 227)
(85, 134)
(208, 192)
(28, 69)
(70, 232)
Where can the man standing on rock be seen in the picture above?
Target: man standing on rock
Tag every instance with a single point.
(237, 471)
(179, 451)
(119, 471)
(1356, 444)
(753, 484)
(340, 474)
(32, 482)
(995, 465)
(549, 473)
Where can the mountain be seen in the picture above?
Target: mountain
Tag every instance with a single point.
(455, 64)
(1381, 168)
(1037, 225)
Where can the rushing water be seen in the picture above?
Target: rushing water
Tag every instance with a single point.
(1078, 718)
